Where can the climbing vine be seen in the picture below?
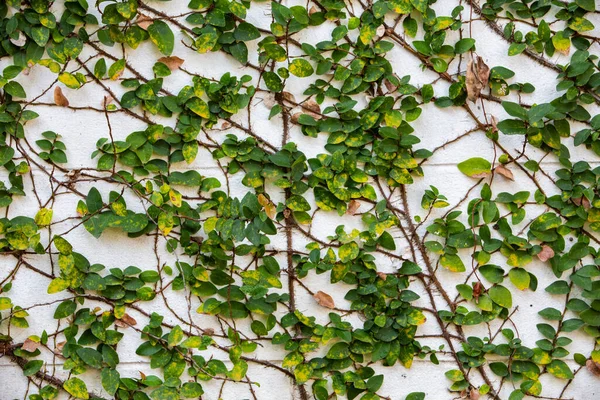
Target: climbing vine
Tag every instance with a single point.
(288, 218)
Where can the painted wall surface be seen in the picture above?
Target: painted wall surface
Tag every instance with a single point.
(80, 129)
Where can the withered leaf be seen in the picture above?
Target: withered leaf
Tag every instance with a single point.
(128, 319)
(382, 275)
(295, 118)
(546, 253)
(144, 21)
(209, 331)
(59, 97)
(312, 105)
(324, 299)
(269, 207)
(389, 86)
(593, 367)
(478, 75)
(477, 289)
(505, 172)
(30, 345)
(173, 62)
(353, 207)
(287, 96)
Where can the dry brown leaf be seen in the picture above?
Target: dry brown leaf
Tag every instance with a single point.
(593, 367)
(477, 289)
(144, 21)
(173, 62)
(546, 253)
(505, 172)
(60, 345)
(382, 275)
(209, 332)
(142, 375)
(30, 345)
(324, 299)
(313, 10)
(295, 118)
(494, 124)
(59, 97)
(107, 101)
(121, 324)
(390, 86)
(128, 319)
(287, 96)
(481, 175)
(478, 74)
(312, 105)
(474, 394)
(226, 125)
(578, 201)
(353, 207)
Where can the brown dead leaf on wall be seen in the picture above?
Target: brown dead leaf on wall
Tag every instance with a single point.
(353, 207)
(144, 21)
(546, 253)
(30, 345)
(505, 172)
(59, 97)
(172, 62)
(593, 367)
(324, 299)
(478, 74)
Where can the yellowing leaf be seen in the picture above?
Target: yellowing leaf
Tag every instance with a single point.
(76, 388)
(69, 80)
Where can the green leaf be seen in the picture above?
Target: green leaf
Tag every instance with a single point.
(32, 367)
(65, 309)
(374, 383)
(420, 5)
(110, 380)
(516, 48)
(76, 388)
(476, 167)
(15, 89)
(588, 5)
(520, 278)
(452, 262)
(191, 390)
(501, 296)
(515, 110)
(162, 36)
(91, 357)
(464, 45)
(245, 32)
